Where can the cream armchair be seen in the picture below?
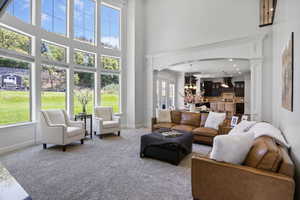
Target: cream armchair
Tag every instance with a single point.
(57, 129)
(105, 122)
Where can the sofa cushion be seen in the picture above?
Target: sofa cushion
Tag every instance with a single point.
(74, 131)
(264, 154)
(190, 118)
(203, 119)
(163, 125)
(232, 148)
(214, 119)
(203, 139)
(163, 116)
(176, 116)
(185, 128)
(205, 131)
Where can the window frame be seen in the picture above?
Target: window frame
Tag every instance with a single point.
(35, 31)
(120, 26)
(31, 13)
(31, 74)
(95, 43)
(52, 17)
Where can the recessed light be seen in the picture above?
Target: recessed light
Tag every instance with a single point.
(230, 59)
(234, 65)
(237, 69)
(240, 72)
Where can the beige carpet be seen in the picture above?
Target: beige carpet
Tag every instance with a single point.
(108, 169)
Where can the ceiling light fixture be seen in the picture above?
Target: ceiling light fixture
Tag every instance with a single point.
(230, 60)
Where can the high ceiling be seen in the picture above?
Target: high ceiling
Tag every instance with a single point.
(214, 68)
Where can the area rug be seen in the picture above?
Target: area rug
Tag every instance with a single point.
(108, 169)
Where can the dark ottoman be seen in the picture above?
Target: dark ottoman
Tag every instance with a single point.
(169, 149)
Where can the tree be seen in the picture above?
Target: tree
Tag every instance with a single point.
(14, 41)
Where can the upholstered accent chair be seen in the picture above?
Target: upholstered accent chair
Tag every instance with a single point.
(105, 121)
(57, 128)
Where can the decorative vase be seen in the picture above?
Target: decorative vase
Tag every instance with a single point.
(83, 108)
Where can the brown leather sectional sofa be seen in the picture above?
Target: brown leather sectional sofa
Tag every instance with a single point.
(267, 174)
(191, 122)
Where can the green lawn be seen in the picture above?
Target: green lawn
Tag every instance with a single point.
(14, 105)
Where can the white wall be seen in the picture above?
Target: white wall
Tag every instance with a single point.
(178, 24)
(15, 137)
(287, 21)
(135, 65)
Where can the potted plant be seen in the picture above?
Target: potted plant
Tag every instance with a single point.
(83, 97)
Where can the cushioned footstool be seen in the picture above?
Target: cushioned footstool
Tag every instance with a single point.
(169, 149)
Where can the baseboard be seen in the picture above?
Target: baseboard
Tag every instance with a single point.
(16, 146)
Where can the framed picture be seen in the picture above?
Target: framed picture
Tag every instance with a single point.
(234, 121)
(244, 117)
(288, 74)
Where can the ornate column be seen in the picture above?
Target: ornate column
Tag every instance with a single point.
(256, 89)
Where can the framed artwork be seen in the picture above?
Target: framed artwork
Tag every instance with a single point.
(234, 121)
(267, 12)
(288, 74)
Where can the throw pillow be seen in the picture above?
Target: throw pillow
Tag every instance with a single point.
(232, 148)
(163, 116)
(242, 127)
(214, 119)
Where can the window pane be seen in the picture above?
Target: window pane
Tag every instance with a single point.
(83, 92)
(53, 52)
(110, 91)
(20, 9)
(84, 20)
(54, 16)
(54, 87)
(84, 58)
(15, 41)
(110, 27)
(110, 63)
(14, 91)
(172, 95)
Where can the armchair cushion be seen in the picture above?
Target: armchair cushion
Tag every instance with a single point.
(111, 124)
(74, 131)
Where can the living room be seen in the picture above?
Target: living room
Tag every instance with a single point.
(90, 68)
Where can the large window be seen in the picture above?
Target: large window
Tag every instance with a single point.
(14, 41)
(58, 38)
(53, 87)
(53, 52)
(83, 92)
(84, 58)
(110, 91)
(54, 16)
(14, 91)
(84, 20)
(20, 9)
(110, 27)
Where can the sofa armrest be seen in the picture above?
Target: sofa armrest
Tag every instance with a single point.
(153, 122)
(217, 180)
